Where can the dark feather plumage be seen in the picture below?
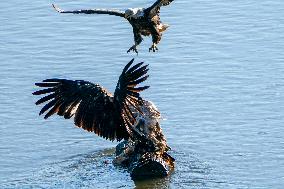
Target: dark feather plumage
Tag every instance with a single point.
(144, 21)
(155, 8)
(93, 108)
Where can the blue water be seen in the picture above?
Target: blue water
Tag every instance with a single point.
(218, 80)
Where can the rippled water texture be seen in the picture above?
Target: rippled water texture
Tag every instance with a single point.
(218, 80)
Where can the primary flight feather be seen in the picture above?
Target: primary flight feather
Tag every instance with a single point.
(93, 108)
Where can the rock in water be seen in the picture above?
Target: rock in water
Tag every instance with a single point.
(146, 155)
(146, 165)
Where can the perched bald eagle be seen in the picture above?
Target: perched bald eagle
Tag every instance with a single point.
(145, 21)
(94, 109)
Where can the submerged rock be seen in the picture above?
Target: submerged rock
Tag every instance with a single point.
(145, 165)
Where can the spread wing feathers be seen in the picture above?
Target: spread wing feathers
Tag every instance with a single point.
(91, 11)
(155, 8)
(93, 108)
(127, 94)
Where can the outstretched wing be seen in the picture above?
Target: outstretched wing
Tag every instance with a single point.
(91, 11)
(93, 108)
(126, 94)
(155, 8)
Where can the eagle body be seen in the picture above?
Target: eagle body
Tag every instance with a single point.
(144, 21)
(141, 25)
(145, 25)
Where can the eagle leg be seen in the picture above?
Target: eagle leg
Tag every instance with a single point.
(133, 48)
(153, 48)
(137, 39)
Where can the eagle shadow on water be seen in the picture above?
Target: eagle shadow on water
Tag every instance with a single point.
(144, 21)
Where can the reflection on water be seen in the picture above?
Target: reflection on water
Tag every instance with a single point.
(155, 183)
(96, 169)
(83, 170)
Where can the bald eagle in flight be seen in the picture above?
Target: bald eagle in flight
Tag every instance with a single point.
(144, 21)
(94, 109)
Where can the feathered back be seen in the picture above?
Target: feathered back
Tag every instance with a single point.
(93, 108)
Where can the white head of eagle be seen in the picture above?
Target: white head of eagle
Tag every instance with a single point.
(134, 13)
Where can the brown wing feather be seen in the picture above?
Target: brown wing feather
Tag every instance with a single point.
(91, 11)
(127, 92)
(93, 108)
(155, 8)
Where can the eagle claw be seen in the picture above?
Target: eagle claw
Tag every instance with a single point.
(153, 48)
(133, 48)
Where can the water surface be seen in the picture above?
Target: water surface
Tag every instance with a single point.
(218, 80)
